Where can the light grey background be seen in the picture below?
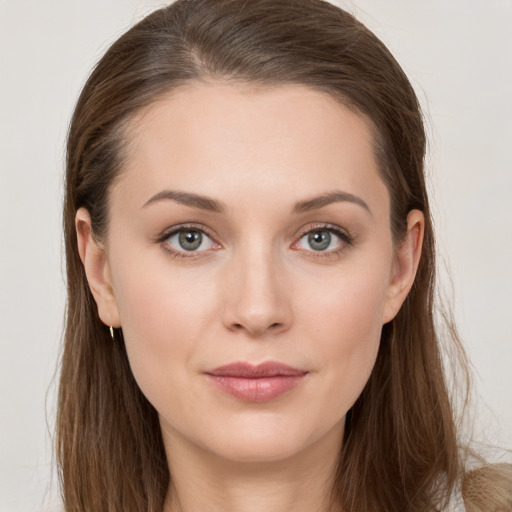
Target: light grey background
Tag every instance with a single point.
(458, 54)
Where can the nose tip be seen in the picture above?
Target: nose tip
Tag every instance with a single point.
(258, 303)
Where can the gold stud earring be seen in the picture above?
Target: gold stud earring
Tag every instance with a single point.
(111, 332)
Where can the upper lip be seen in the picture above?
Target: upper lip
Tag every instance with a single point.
(249, 370)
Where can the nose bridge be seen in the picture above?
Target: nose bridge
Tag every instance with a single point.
(257, 300)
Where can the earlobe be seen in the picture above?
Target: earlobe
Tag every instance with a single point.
(407, 259)
(97, 270)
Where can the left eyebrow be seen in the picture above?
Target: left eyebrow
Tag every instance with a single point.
(325, 199)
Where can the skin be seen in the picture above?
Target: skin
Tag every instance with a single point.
(256, 290)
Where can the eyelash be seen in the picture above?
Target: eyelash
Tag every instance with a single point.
(344, 236)
(346, 241)
(177, 229)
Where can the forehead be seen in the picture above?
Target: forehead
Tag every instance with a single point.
(230, 140)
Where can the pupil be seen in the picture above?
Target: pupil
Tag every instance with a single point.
(319, 240)
(190, 240)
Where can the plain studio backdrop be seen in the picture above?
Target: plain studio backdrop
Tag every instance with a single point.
(458, 54)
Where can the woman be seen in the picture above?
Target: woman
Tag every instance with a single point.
(250, 317)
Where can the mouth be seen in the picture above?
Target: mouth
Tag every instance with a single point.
(256, 383)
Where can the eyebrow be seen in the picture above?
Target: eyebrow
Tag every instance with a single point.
(213, 205)
(188, 199)
(325, 199)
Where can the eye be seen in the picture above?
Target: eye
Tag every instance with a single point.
(189, 240)
(323, 240)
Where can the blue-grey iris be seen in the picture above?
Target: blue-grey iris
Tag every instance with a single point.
(319, 240)
(190, 240)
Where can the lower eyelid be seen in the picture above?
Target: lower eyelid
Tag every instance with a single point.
(340, 242)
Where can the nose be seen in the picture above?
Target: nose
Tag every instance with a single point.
(257, 297)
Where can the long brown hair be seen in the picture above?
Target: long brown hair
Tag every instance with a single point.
(400, 451)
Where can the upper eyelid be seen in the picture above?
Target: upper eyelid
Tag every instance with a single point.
(181, 227)
(327, 227)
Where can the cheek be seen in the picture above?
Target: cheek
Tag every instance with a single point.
(347, 303)
(163, 316)
(344, 318)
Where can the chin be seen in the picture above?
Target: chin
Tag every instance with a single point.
(267, 440)
(260, 450)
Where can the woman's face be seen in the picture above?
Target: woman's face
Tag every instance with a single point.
(250, 227)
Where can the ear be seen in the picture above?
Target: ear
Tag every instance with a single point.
(407, 258)
(97, 270)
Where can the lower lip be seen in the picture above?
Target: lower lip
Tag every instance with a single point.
(260, 389)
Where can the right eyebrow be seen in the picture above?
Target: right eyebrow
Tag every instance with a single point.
(188, 199)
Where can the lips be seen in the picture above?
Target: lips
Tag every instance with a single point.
(256, 383)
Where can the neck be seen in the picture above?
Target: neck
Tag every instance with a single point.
(204, 481)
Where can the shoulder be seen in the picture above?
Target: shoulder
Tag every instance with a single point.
(488, 488)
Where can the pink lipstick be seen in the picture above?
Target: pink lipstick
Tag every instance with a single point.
(256, 383)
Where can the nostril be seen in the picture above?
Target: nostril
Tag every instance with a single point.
(276, 326)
